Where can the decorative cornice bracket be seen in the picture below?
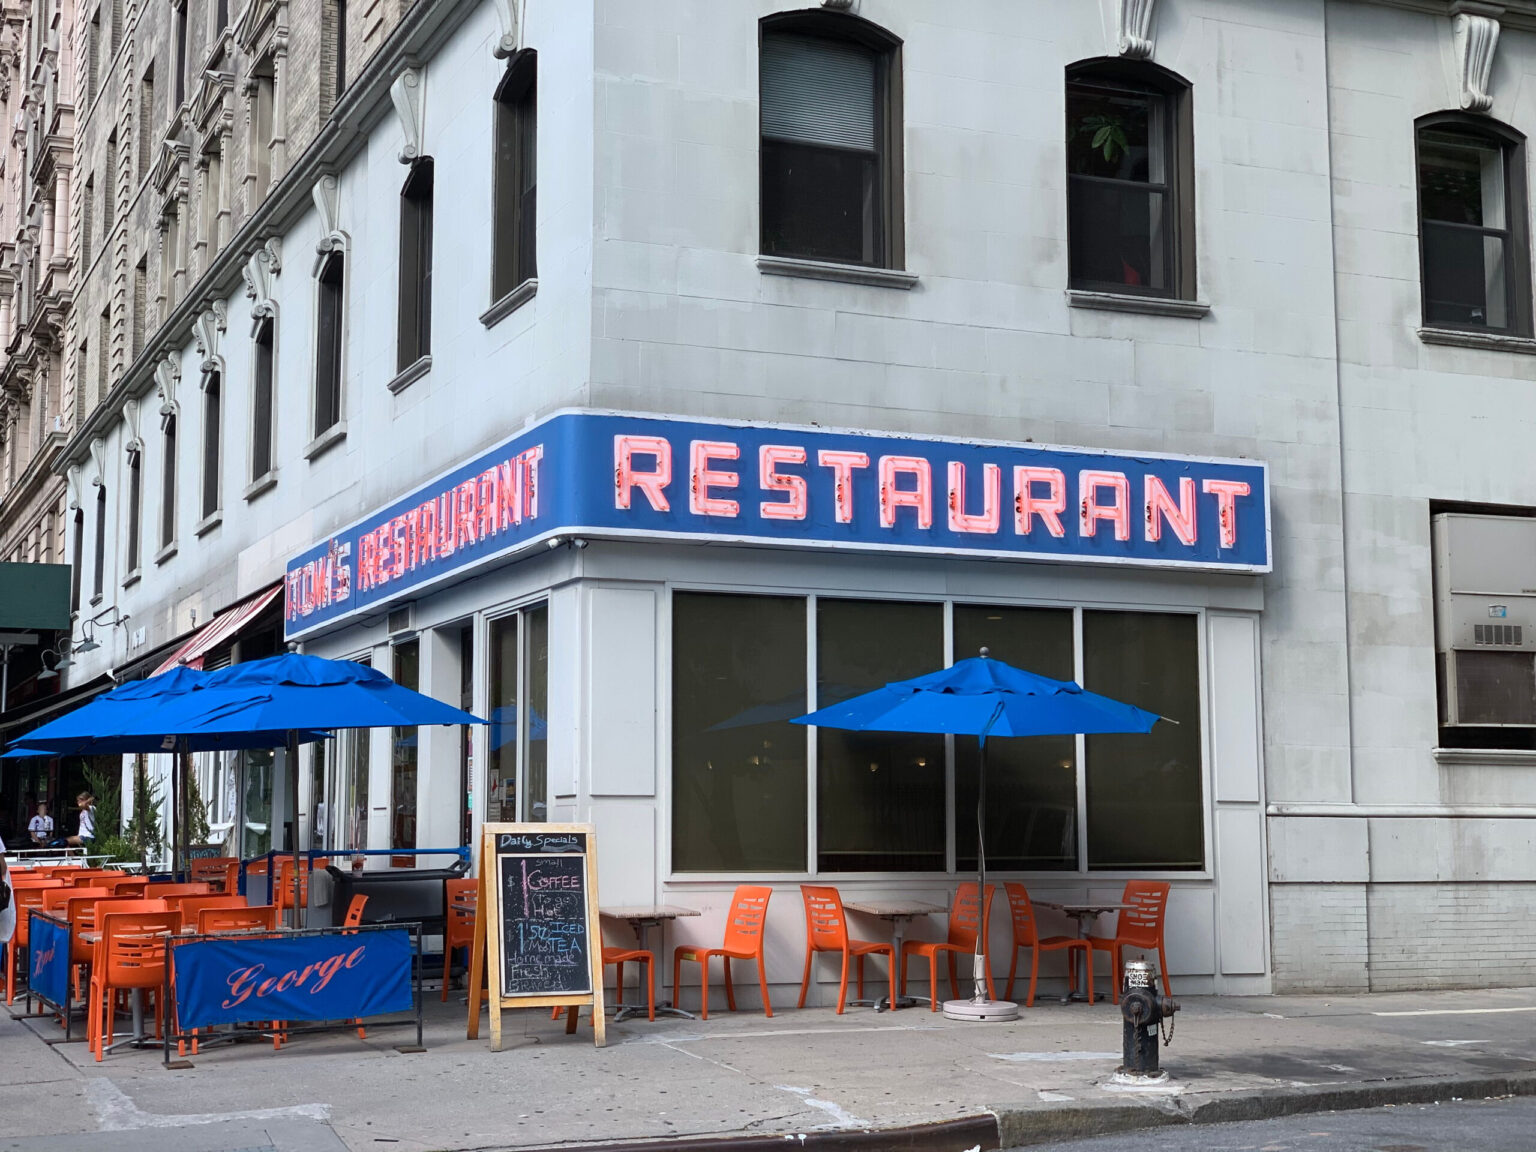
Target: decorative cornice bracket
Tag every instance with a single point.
(509, 15)
(327, 195)
(1133, 37)
(167, 376)
(131, 411)
(99, 458)
(1476, 32)
(211, 323)
(408, 93)
(259, 272)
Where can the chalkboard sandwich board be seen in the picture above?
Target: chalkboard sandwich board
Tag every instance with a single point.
(537, 929)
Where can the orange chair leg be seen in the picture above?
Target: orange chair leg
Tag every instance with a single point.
(890, 972)
(650, 987)
(933, 983)
(805, 980)
(730, 992)
(842, 985)
(1162, 960)
(704, 985)
(677, 968)
(1034, 975)
(762, 982)
(861, 976)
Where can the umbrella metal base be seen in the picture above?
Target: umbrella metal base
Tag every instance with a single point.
(982, 1010)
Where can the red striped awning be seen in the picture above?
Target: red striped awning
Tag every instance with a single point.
(221, 628)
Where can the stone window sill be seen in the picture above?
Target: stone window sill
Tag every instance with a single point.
(261, 484)
(328, 439)
(1131, 302)
(209, 522)
(1491, 341)
(165, 553)
(410, 374)
(96, 600)
(1485, 757)
(510, 303)
(131, 579)
(841, 273)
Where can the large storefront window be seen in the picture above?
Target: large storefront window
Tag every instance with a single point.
(738, 765)
(740, 770)
(403, 754)
(879, 795)
(518, 771)
(352, 819)
(1031, 784)
(256, 781)
(1145, 808)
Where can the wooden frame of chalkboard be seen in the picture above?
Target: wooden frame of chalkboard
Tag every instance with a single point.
(536, 927)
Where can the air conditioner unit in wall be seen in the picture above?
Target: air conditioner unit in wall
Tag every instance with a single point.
(401, 619)
(1485, 619)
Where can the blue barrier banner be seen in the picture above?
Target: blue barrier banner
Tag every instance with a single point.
(334, 976)
(625, 476)
(48, 959)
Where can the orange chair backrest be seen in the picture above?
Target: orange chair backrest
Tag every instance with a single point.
(92, 878)
(964, 914)
(56, 900)
(34, 882)
(282, 891)
(223, 870)
(461, 921)
(187, 888)
(355, 911)
(826, 924)
(1141, 925)
(190, 906)
(123, 885)
(260, 917)
(25, 900)
(744, 923)
(132, 904)
(1026, 933)
(84, 911)
(132, 947)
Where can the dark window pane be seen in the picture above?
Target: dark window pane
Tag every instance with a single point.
(403, 759)
(536, 683)
(211, 436)
(819, 203)
(135, 479)
(515, 179)
(1144, 791)
(1461, 180)
(415, 313)
(76, 560)
(1118, 235)
(168, 485)
(1464, 276)
(1031, 783)
(880, 799)
(738, 765)
(501, 801)
(1115, 134)
(261, 404)
(332, 290)
(101, 541)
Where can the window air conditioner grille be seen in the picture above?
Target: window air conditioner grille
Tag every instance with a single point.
(1495, 688)
(400, 619)
(1509, 635)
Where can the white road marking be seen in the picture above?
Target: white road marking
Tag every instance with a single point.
(1457, 1011)
(116, 1112)
(1054, 1097)
(1450, 1043)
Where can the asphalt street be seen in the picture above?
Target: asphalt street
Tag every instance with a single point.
(1468, 1126)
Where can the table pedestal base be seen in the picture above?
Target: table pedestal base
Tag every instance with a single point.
(981, 1010)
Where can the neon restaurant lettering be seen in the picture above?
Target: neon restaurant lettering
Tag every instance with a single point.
(624, 476)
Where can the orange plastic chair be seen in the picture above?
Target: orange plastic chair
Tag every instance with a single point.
(1140, 926)
(963, 918)
(26, 896)
(92, 877)
(1026, 934)
(233, 918)
(281, 896)
(354, 915)
(744, 940)
(460, 930)
(221, 871)
(619, 957)
(130, 955)
(826, 930)
(186, 888)
(190, 906)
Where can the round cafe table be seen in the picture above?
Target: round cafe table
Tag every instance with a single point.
(1086, 915)
(897, 913)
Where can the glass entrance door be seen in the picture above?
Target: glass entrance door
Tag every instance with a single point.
(518, 768)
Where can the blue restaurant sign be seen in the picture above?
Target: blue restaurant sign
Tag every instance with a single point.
(600, 474)
(329, 976)
(48, 959)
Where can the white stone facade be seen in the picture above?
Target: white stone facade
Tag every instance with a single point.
(1322, 785)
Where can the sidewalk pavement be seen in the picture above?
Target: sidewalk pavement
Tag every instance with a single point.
(810, 1073)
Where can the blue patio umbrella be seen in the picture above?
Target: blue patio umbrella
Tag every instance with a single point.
(983, 697)
(296, 693)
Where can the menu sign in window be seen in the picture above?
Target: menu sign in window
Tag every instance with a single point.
(544, 943)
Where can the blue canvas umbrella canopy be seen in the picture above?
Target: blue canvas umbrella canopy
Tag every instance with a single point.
(294, 692)
(983, 697)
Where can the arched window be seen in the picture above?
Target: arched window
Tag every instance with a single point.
(831, 139)
(1130, 180)
(1473, 239)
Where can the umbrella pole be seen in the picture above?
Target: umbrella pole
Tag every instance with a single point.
(980, 970)
(183, 823)
(293, 801)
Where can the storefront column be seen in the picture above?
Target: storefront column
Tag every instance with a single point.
(380, 771)
(438, 794)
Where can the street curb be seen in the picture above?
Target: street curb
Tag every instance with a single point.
(1043, 1124)
(962, 1135)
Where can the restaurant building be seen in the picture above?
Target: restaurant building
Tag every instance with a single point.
(641, 376)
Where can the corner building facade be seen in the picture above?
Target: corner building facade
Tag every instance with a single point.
(644, 375)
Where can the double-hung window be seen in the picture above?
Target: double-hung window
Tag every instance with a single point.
(830, 156)
(1473, 239)
(514, 210)
(1130, 195)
